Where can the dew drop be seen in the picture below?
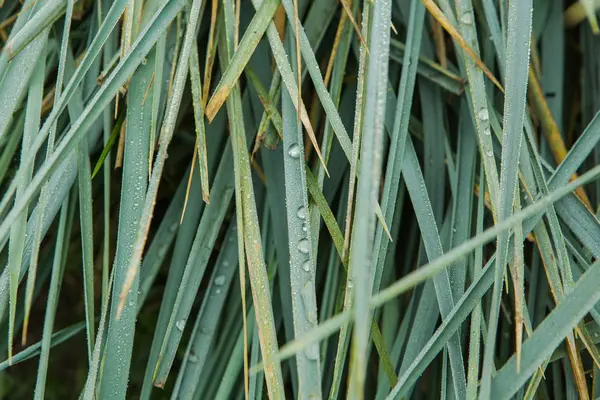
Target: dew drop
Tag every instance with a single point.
(487, 131)
(294, 151)
(304, 246)
(144, 61)
(219, 280)
(180, 324)
(218, 291)
(301, 213)
(467, 18)
(489, 153)
(193, 358)
(483, 114)
(306, 265)
(131, 303)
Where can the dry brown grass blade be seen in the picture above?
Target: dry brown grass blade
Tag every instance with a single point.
(298, 57)
(550, 129)
(435, 11)
(189, 183)
(121, 146)
(211, 49)
(577, 368)
(348, 14)
(337, 40)
(440, 42)
(576, 13)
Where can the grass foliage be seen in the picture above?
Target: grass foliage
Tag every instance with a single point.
(379, 199)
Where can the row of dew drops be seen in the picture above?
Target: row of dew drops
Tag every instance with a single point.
(312, 351)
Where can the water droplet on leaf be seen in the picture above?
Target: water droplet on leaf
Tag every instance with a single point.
(301, 213)
(483, 114)
(304, 246)
(219, 280)
(294, 151)
(467, 18)
(180, 324)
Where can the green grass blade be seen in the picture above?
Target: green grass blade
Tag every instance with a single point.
(89, 390)
(256, 29)
(204, 240)
(15, 78)
(302, 262)
(119, 336)
(58, 337)
(205, 328)
(53, 293)
(517, 70)
(103, 96)
(476, 316)
(31, 276)
(432, 268)
(85, 213)
(104, 156)
(46, 15)
(363, 236)
(19, 230)
(166, 135)
(199, 119)
(248, 229)
(544, 340)
(398, 135)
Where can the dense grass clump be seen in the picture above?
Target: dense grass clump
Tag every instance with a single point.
(380, 199)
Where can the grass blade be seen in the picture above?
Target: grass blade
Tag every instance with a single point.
(517, 69)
